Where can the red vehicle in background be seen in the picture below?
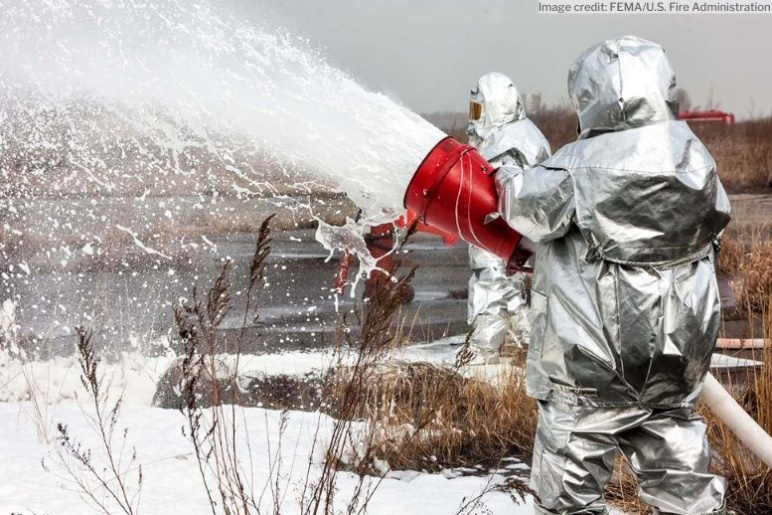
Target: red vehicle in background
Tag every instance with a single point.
(709, 116)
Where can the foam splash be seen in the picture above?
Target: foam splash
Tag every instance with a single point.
(123, 123)
(191, 77)
(349, 237)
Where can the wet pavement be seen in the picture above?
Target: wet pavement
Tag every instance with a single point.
(129, 304)
(132, 308)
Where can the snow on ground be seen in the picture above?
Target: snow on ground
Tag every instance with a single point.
(38, 395)
(171, 479)
(135, 375)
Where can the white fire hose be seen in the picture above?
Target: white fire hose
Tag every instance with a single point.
(737, 420)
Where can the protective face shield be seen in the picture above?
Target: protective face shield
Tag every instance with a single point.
(494, 103)
(622, 84)
(475, 110)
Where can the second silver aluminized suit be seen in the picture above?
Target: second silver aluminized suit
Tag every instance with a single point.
(501, 134)
(624, 301)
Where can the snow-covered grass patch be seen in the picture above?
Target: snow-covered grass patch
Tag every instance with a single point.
(171, 482)
(89, 430)
(135, 375)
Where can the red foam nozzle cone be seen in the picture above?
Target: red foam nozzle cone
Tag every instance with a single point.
(453, 189)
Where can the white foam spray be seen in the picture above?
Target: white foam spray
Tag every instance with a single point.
(144, 99)
(185, 72)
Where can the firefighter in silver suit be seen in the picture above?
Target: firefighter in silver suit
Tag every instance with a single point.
(500, 131)
(625, 303)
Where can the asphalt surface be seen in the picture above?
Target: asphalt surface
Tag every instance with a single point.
(130, 307)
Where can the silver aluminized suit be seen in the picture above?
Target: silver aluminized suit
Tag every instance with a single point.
(502, 134)
(625, 302)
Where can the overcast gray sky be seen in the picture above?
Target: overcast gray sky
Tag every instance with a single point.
(428, 53)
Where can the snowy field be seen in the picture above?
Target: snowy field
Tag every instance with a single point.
(274, 451)
(171, 481)
(276, 461)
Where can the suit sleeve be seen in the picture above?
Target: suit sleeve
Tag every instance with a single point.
(538, 202)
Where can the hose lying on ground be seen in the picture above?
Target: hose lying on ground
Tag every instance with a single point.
(737, 420)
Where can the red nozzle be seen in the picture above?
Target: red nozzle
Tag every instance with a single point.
(453, 190)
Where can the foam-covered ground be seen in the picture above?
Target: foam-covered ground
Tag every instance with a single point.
(38, 395)
(171, 481)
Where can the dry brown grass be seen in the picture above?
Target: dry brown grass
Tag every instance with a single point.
(731, 256)
(750, 269)
(424, 417)
(429, 418)
(622, 490)
(753, 286)
(743, 151)
(558, 124)
(421, 416)
(749, 482)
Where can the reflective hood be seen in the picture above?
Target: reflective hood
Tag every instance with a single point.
(621, 84)
(500, 102)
